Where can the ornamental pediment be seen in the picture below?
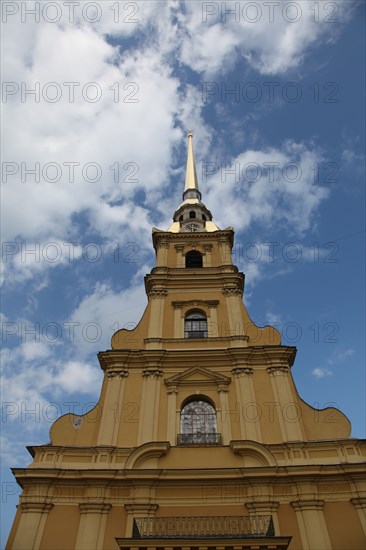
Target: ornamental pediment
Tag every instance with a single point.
(196, 375)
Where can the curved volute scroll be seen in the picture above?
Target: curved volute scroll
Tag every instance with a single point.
(253, 453)
(146, 452)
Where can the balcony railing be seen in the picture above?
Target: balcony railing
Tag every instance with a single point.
(199, 439)
(203, 527)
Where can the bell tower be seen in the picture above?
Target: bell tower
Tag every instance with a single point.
(200, 439)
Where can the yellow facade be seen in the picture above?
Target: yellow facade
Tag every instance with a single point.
(259, 468)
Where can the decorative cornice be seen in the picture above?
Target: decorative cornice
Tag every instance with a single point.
(117, 360)
(223, 235)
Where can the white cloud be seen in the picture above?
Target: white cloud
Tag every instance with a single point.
(102, 312)
(273, 318)
(77, 376)
(321, 372)
(276, 186)
(34, 350)
(340, 356)
(24, 260)
(271, 44)
(142, 127)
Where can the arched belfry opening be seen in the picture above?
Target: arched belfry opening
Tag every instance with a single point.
(194, 259)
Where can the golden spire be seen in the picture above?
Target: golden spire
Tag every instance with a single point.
(191, 175)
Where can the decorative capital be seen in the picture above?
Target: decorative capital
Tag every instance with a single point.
(43, 507)
(277, 371)
(232, 292)
(141, 508)
(359, 502)
(152, 373)
(112, 374)
(94, 508)
(262, 507)
(157, 293)
(239, 372)
(162, 243)
(301, 505)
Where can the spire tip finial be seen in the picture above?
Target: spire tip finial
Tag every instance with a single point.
(190, 133)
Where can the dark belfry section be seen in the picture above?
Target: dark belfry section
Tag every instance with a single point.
(194, 259)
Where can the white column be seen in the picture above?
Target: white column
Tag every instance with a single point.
(137, 511)
(288, 411)
(157, 297)
(162, 253)
(312, 526)
(181, 260)
(213, 328)
(172, 415)
(226, 257)
(31, 525)
(225, 415)
(207, 255)
(149, 417)
(92, 525)
(248, 414)
(265, 509)
(234, 309)
(178, 333)
(112, 407)
(360, 505)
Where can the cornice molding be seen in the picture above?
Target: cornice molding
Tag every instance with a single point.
(221, 236)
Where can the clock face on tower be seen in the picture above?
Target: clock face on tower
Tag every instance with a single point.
(192, 227)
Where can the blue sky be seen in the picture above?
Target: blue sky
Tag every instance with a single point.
(275, 98)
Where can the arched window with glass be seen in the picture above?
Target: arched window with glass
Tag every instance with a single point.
(195, 324)
(198, 424)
